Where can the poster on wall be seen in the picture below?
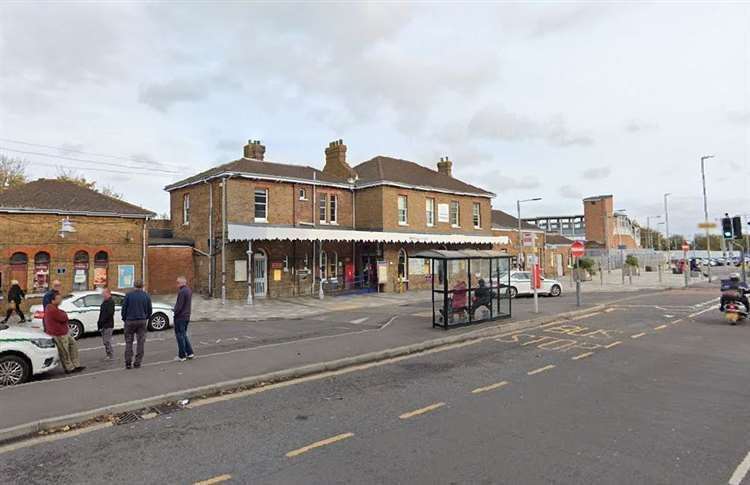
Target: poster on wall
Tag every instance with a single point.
(418, 266)
(100, 276)
(443, 212)
(79, 276)
(125, 276)
(382, 272)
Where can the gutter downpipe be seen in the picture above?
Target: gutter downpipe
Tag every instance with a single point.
(314, 201)
(224, 241)
(210, 239)
(145, 257)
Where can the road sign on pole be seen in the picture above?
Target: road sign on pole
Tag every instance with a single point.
(707, 225)
(686, 246)
(577, 249)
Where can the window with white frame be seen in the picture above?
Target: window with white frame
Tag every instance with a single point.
(403, 210)
(430, 211)
(322, 208)
(261, 205)
(476, 215)
(333, 209)
(302, 194)
(455, 214)
(186, 209)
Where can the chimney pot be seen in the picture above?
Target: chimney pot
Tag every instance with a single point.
(445, 166)
(254, 150)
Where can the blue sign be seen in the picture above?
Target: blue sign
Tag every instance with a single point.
(125, 276)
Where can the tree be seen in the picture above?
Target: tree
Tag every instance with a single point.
(71, 175)
(12, 172)
(676, 240)
(651, 238)
(700, 242)
(110, 192)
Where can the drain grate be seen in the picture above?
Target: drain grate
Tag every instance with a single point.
(166, 408)
(126, 418)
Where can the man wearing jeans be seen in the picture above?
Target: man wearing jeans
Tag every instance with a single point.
(181, 320)
(106, 322)
(136, 311)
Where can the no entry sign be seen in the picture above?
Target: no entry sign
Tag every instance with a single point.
(577, 249)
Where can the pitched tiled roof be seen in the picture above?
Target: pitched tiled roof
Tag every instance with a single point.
(558, 239)
(386, 169)
(61, 197)
(504, 220)
(249, 167)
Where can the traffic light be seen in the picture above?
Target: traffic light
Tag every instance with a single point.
(726, 228)
(737, 227)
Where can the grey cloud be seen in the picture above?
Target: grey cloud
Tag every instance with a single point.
(636, 126)
(560, 18)
(569, 192)
(163, 95)
(596, 173)
(499, 124)
(739, 117)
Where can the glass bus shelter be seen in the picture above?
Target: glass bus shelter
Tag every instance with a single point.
(468, 286)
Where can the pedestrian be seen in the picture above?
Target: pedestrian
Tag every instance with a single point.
(182, 318)
(106, 322)
(57, 327)
(15, 296)
(136, 311)
(47, 298)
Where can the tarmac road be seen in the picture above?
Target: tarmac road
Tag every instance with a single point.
(653, 391)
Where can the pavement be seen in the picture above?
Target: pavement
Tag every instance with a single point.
(232, 353)
(652, 389)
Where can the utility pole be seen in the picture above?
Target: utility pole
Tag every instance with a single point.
(666, 228)
(520, 236)
(705, 211)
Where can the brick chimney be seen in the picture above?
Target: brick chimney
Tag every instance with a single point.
(445, 166)
(254, 150)
(336, 161)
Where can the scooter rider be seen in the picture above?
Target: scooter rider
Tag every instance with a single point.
(734, 283)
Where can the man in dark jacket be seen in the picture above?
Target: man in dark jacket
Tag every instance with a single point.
(136, 312)
(106, 322)
(181, 320)
(47, 299)
(15, 296)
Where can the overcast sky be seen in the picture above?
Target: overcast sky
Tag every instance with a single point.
(552, 100)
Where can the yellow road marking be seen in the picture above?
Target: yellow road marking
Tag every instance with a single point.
(490, 387)
(677, 321)
(318, 444)
(581, 356)
(609, 310)
(211, 481)
(542, 339)
(541, 369)
(613, 344)
(638, 335)
(660, 327)
(588, 315)
(423, 410)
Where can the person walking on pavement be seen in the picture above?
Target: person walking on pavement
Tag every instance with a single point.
(136, 311)
(15, 296)
(106, 322)
(181, 320)
(57, 327)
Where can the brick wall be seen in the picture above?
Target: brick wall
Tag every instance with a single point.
(120, 238)
(599, 224)
(166, 263)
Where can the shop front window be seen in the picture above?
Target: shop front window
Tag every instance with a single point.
(81, 271)
(101, 261)
(41, 271)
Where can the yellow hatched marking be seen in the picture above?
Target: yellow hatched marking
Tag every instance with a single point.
(418, 412)
(613, 344)
(660, 327)
(638, 335)
(582, 356)
(318, 444)
(218, 479)
(541, 369)
(490, 387)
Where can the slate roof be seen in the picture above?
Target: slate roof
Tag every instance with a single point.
(61, 197)
(558, 239)
(386, 169)
(504, 220)
(248, 166)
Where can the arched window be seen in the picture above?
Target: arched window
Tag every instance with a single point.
(100, 269)
(403, 264)
(101, 257)
(333, 260)
(41, 271)
(81, 271)
(19, 258)
(18, 269)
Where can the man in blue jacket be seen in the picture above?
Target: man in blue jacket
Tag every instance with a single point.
(136, 312)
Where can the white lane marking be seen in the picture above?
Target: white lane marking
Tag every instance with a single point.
(582, 356)
(116, 344)
(741, 471)
(638, 335)
(541, 369)
(497, 385)
(359, 320)
(693, 315)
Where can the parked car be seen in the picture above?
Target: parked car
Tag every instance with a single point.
(82, 308)
(520, 284)
(23, 353)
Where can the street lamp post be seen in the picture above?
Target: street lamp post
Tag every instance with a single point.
(520, 242)
(666, 228)
(705, 211)
(659, 266)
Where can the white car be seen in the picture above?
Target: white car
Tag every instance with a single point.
(520, 284)
(24, 353)
(82, 308)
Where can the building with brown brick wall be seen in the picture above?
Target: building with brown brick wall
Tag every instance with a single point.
(59, 230)
(267, 229)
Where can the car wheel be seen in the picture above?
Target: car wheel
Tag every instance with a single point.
(512, 292)
(555, 290)
(158, 322)
(14, 370)
(75, 329)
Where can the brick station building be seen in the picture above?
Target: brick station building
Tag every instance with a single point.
(268, 229)
(54, 229)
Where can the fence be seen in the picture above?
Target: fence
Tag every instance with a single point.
(615, 258)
